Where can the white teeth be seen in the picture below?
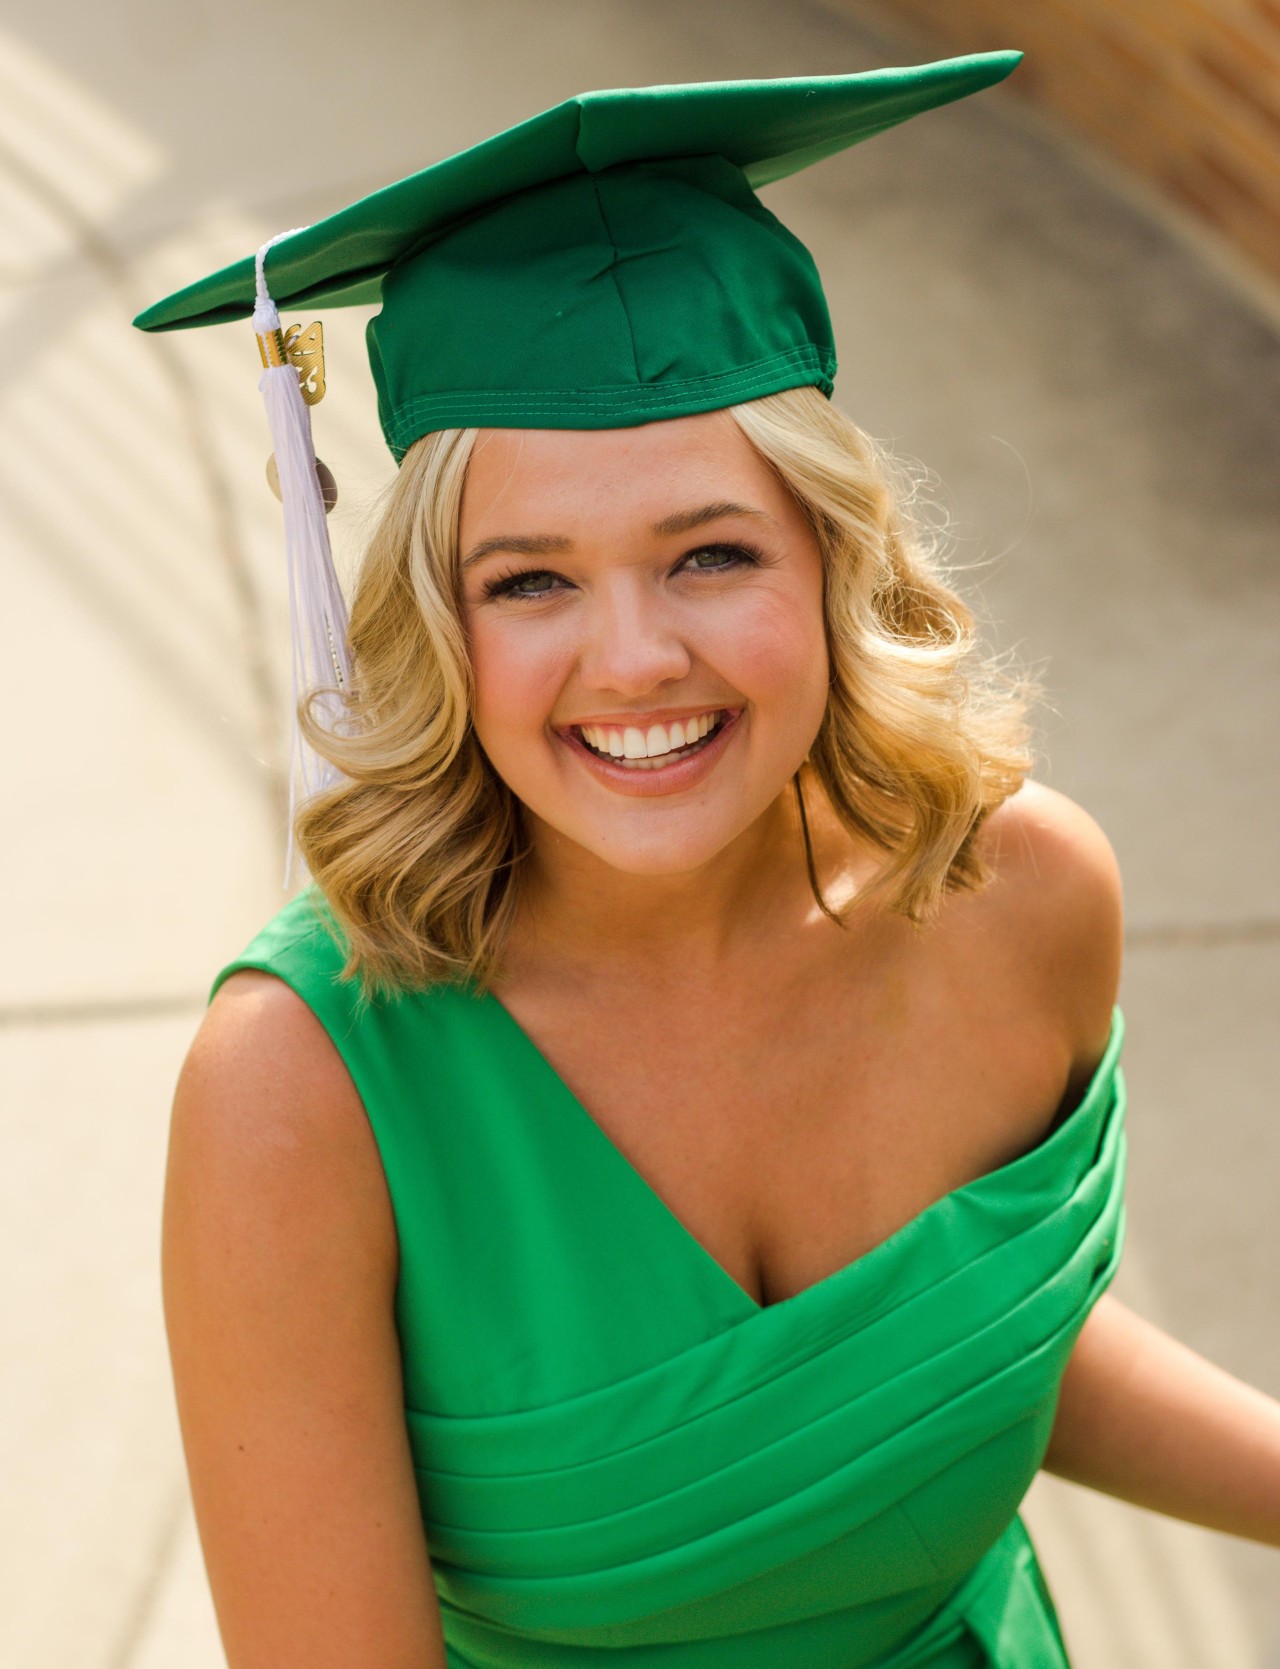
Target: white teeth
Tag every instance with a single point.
(644, 749)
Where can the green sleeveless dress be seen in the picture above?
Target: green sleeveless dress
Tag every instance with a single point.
(623, 1458)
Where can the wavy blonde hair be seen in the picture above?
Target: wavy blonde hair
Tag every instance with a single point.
(419, 852)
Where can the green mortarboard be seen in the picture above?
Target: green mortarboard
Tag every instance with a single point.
(604, 263)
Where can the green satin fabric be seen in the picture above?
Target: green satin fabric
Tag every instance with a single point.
(618, 1449)
(600, 301)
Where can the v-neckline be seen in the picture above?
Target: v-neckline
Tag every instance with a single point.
(825, 1282)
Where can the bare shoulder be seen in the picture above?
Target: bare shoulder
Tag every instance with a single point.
(266, 1110)
(1057, 888)
(279, 1269)
(259, 1036)
(1042, 838)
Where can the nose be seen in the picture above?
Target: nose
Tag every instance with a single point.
(631, 642)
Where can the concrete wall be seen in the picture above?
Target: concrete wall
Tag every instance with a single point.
(1186, 93)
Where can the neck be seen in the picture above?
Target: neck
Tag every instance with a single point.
(648, 925)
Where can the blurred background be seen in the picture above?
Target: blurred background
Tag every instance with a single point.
(1062, 296)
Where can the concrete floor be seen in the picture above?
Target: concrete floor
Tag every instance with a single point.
(1099, 406)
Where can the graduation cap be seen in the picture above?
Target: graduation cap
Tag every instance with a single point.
(603, 264)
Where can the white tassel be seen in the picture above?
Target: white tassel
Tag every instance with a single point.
(317, 611)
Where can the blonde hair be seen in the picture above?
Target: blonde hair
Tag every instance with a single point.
(418, 852)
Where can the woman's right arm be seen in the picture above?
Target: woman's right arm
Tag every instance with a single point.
(279, 1268)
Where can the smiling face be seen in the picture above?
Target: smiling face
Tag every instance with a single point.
(644, 608)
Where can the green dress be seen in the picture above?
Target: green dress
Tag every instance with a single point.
(622, 1458)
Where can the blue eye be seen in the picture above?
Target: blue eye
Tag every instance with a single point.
(521, 583)
(735, 555)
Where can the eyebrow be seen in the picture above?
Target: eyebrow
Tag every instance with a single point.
(545, 544)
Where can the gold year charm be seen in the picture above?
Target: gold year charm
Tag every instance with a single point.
(304, 349)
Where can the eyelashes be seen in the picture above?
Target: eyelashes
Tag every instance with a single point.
(514, 583)
(508, 584)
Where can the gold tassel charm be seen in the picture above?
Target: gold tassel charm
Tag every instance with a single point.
(303, 348)
(325, 476)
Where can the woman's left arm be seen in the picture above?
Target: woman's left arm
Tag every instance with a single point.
(1139, 1415)
(1145, 1418)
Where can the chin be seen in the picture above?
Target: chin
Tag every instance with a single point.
(655, 851)
(658, 861)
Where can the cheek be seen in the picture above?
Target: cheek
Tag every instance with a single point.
(774, 649)
(518, 676)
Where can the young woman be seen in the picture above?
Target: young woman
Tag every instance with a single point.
(652, 1196)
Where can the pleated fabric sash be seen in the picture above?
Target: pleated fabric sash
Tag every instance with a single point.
(857, 1448)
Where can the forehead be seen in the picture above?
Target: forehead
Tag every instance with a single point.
(528, 476)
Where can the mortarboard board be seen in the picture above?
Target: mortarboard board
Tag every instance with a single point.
(603, 264)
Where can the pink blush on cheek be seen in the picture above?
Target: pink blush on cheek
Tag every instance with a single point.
(771, 652)
(516, 692)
